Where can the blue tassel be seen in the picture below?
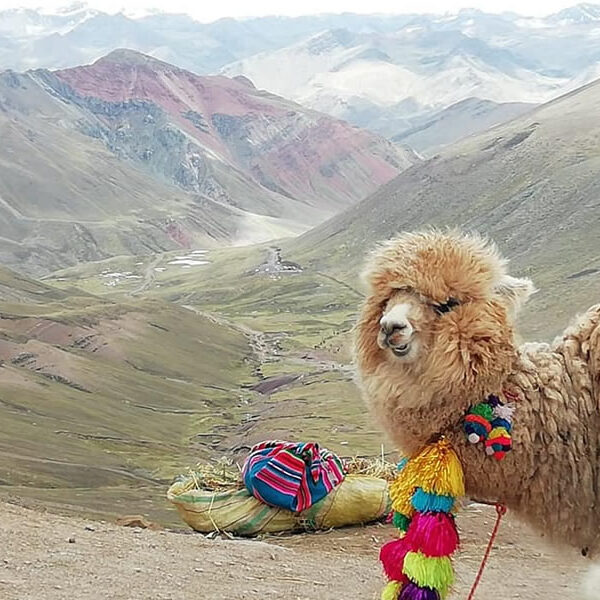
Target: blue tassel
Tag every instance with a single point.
(425, 502)
(403, 462)
(499, 422)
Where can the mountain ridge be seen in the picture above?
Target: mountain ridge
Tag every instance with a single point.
(226, 108)
(183, 160)
(427, 62)
(530, 184)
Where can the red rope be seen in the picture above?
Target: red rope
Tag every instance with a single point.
(500, 512)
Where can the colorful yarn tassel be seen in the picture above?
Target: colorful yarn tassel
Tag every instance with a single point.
(436, 469)
(498, 443)
(423, 496)
(401, 521)
(433, 534)
(435, 573)
(490, 422)
(424, 502)
(476, 428)
(391, 591)
(392, 556)
(412, 591)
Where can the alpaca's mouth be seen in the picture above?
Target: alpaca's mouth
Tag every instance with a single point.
(401, 350)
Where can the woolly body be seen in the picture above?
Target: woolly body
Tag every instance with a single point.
(456, 359)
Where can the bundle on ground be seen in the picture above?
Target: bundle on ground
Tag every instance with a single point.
(230, 507)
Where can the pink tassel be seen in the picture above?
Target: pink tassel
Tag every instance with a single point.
(392, 556)
(434, 534)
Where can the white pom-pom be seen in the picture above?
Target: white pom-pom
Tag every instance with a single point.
(473, 438)
(504, 411)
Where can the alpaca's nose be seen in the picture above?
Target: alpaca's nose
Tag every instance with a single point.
(395, 326)
(395, 334)
(390, 328)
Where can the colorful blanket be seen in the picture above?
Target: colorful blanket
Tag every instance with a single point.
(290, 475)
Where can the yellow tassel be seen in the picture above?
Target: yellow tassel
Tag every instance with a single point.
(391, 591)
(498, 432)
(436, 469)
(401, 495)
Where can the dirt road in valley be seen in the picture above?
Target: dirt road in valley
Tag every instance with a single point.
(149, 276)
(49, 557)
(264, 346)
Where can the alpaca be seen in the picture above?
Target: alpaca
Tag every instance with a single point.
(436, 335)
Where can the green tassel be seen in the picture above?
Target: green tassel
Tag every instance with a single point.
(391, 591)
(435, 573)
(401, 521)
(483, 409)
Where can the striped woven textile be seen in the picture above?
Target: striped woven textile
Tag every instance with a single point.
(290, 475)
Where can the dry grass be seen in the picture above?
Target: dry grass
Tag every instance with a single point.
(226, 475)
(378, 467)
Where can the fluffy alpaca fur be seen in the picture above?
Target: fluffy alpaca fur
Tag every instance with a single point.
(421, 376)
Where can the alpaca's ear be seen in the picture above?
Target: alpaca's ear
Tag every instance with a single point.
(515, 291)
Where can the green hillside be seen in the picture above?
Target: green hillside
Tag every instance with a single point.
(532, 185)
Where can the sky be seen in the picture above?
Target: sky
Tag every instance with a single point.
(210, 11)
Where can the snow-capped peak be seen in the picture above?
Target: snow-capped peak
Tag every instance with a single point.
(580, 14)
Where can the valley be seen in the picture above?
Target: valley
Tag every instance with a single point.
(185, 209)
(227, 346)
(120, 386)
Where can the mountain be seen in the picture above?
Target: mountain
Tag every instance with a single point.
(531, 184)
(26, 24)
(392, 81)
(42, 39)
(386, 73)
(130, 155)
(385, 82)
(581, 13)
(294, 153)
(459, 120)
(66, 198)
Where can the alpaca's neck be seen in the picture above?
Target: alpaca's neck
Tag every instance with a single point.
(488, 479)
(412, 422)
(551, 477)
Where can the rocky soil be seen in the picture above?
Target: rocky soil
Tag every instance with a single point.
(50, 557)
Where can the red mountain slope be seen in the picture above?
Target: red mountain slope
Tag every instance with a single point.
(296, 153)
(131, 155)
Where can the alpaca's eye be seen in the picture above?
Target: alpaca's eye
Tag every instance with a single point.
(445, 307)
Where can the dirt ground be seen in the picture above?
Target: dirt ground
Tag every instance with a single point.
(48, 557)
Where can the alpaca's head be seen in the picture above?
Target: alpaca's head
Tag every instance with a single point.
(438, 319)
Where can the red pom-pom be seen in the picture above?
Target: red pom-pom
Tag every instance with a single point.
(392, 556)
(434, 534)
